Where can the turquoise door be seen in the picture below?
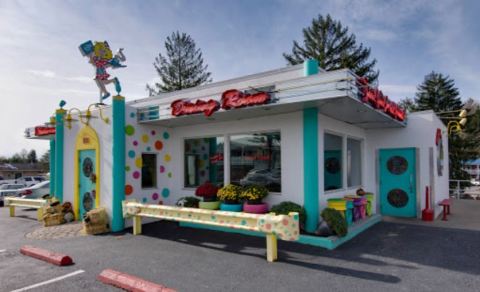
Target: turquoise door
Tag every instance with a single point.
(332, 170)
(87, 181)
(398, 195)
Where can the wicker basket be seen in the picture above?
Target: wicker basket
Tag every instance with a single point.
(53, 219)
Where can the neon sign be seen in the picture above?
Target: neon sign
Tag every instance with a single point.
(375, 98)
(44, 131)
(184, 107)
(235, 99)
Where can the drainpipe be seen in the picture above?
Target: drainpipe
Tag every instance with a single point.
(118, 165)
(310, 156)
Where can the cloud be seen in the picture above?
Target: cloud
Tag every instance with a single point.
(51, 74)
(401, 90)
(379, 35)
(42, 73)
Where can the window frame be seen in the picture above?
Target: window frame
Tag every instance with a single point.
(362, 156)
(155, 183)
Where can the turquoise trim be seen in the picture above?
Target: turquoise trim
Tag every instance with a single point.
(222, 229)
(310, 168)
(52, 167)
(333, 242)
(310, 67)
(118, 165)
(59, 145)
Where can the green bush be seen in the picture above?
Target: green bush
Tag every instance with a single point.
(286, 207)
(335, 220)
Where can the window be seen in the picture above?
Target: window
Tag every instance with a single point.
(149, 174)
(332, 170)
(354, 162)
(203, 161)
(255, 160)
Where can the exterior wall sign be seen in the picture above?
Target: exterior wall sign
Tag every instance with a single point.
(231, 99)
(44, 131)
(375, 97)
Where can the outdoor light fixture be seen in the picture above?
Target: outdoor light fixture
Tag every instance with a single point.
(456, 123)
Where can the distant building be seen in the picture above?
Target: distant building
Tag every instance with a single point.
(17, 170)
(472, 167)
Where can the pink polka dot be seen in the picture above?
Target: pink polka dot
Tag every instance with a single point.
(162, 169)
(285, 222)
(268, 226)
(155, 196)
(153, 132)
(136, 174)
(135, 143)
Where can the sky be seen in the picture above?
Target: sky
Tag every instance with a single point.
(40, 63)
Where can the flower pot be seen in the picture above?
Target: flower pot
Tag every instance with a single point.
(254, 202)
(210, 199)
(255, 208)
(209, 205)
(231, 207)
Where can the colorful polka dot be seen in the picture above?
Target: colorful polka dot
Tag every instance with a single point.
(153, 132)
(128, 190)
(132, 114)
(149, 149)
(165, 193)
(131, 154)
(129, 130)
(158, 145)
(169, 174)
(145, 138)
(136, 174)
(201, 163)
(154, 196)
(167, 158)
(144, 200)
(139, 162)
(135, 143)
(127, 168)
(166, 135)
(162, 169)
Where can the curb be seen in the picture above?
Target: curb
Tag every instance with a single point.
(129, 282)
(45, 255)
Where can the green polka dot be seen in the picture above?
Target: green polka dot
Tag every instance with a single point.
(129, 130)
(169, 174)
(295, 217)
(127, 168)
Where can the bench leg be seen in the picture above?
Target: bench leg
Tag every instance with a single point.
(40, 214)
(137, 225)
(444, 218)
(12, 211)
(272, 254)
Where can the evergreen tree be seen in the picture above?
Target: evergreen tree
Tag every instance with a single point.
(329, 42)
(181, 68)
(438, 93)
(407, 104)
(32, 156)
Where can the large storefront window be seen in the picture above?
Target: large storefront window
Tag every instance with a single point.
(354, 162)
(332, 170)
(204, 161)
(255, 160)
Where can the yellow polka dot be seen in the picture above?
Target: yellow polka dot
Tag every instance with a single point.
(201, 163)
(145, 138)
(167, 157)
(139, 162)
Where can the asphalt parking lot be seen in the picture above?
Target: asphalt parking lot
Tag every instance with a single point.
(388, 256)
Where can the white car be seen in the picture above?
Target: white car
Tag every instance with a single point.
(9, 190)
(475, 183)
(36, 191)
(30, 180)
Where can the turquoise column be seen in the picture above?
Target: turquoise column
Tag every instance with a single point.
(118, 168)
(52, 166)
(59, 142)
(310, 157)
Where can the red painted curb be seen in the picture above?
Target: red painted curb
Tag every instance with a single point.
(45, 255)
(129, 282)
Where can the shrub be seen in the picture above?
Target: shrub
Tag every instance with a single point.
(230, 193)
(254, 193)
(286, 207)
(335, 220)
(207, 190)
(189, 202)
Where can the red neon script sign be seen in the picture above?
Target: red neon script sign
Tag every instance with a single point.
(184, 107)
(235, 99)
(44, 131)
(375, 97)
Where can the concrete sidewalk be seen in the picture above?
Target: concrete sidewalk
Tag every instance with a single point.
(464, 214)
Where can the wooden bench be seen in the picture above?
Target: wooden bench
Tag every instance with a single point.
(38, 204)
(446, 208)
(285, 227)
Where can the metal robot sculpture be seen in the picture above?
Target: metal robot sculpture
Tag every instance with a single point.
(101, 57)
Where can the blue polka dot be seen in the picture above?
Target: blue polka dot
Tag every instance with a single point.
(132, 114)
(149, 149)
(131, 154)
(166, 135)
(144, 200)
(165, 193)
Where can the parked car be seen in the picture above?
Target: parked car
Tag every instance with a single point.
(36, 191)
(269, 178)
(30, 180)
(9, 190)
(475, 182)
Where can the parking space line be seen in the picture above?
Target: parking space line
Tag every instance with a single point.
(49, 281)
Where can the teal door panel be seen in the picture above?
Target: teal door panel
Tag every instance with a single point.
(332, 170)
(87, 181)
(398, 186)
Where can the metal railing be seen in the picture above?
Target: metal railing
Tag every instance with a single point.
(461, 192)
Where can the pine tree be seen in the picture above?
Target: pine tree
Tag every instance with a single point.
(329, 42)
(181, 68)
(438, 93)
(32, 156)
(407, 104)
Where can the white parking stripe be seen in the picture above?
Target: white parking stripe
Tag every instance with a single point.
(49, 281)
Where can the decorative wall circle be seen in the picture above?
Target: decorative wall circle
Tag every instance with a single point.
(166, 135)
(128, 190)
(155, 196)
(135, 143)
(87, 202)
(169, 175)
(397, 198)
(397, 165)
(131, 154)
(162, 169)
(139, 162)
(165, 193)
(129, 130)
(167, 157)
(332, 165)
(153, 132)
(87, 167)
(127, 167)
(145, 138)
(132, 114)
(136, 174)
(158, 145)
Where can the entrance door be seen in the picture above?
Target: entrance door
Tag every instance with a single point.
(398, 195)
(87, 181)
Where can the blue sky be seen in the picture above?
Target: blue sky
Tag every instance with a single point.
(41, 64)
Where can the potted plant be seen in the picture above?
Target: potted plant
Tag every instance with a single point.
(188, 202)
(253, 196)
(230, 197)
(335, 221)
(208, 192)
(284, 208)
